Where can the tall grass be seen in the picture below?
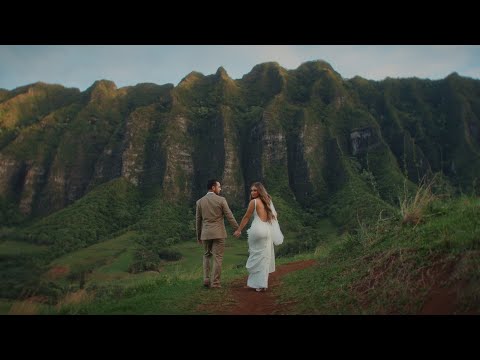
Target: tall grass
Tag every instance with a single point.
(388, 268)
(75, 298)
(25, 307)
(413, 208)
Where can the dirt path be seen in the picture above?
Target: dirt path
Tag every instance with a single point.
(246, 301)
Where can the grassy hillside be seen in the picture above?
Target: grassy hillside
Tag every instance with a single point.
(385, 268)
(108, 208)
(390, 268)
(21, 267)
(175, 289)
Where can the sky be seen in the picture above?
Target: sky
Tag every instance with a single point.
(81, 65)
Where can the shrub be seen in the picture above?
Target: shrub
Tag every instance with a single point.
(150, 258)
(412, 208)
(169, 255)
(145, 260)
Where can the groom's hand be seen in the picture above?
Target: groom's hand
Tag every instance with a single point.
(199, 241)
(237, 233)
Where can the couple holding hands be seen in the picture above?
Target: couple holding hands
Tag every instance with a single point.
(262, 234)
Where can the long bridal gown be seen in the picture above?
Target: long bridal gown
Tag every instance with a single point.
(261, 260)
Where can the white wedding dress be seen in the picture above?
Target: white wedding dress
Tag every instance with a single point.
(261, 260)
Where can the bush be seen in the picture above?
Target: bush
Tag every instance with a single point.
(412, 208)
(145, 260)
(169, 255)
(151, 257)
(294, 248)
(305, 240)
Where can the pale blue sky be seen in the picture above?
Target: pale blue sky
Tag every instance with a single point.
(80, 65)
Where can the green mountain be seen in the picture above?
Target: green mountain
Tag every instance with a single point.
(337, 147)
(311, 136)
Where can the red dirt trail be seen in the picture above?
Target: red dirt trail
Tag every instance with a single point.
(246, 301)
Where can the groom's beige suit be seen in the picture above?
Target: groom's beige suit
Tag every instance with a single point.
(211, 231)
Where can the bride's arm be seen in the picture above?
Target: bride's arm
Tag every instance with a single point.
(273, 210)
(246, 218)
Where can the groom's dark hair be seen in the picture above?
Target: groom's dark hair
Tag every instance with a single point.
(211, 183)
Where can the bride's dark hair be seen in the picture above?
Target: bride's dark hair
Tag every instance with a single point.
(265, 198)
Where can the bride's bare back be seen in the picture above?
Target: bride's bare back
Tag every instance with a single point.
(261, 211)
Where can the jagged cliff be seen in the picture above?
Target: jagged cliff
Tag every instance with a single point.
(308, 134)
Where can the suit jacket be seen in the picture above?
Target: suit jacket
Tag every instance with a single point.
(209, 217)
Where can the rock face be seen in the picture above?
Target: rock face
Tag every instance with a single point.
(12, 177)
(178, 179)
(360, 140)
(301, 174)
(109, 165)
(133, 155)
(233, 180)
(304, 133)
(53, 195)
(34, 179)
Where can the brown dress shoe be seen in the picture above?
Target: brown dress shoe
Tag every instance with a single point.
(206, 283)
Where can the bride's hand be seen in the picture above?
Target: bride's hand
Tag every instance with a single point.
(237, 233)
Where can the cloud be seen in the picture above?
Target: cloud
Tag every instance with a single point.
(80, 65)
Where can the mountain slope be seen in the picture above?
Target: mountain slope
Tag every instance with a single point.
(336, 147)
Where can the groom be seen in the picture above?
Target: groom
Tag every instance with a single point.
(211, 231)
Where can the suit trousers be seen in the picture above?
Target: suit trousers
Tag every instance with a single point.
(214, 249)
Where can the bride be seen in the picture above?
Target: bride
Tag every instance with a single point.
(262, 235)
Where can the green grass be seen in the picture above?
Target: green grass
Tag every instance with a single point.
(390, 268)
(5, 305)
(235, 254)
(106, 209)
(175, 289)
(110, 253)
(159, 296)
(13, 248)
(386, 268)
(119, 264)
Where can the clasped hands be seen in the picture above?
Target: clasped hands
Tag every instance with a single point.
(237, 233)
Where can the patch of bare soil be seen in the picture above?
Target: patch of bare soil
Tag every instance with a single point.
(57, 272)
(247, 301)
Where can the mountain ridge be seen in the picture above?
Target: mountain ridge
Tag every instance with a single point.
(307, 133)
